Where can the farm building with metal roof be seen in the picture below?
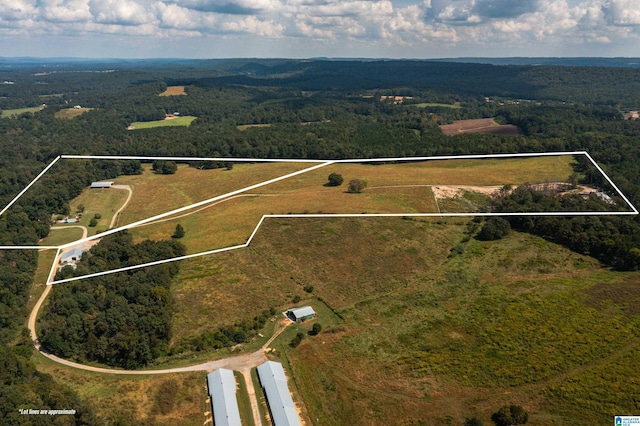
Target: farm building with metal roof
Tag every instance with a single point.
(274, 383)
(300, 314)
(101, 185)
(71, 255)
(222, 390)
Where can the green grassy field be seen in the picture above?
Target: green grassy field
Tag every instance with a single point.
(58, 236)
(453, 335)
(11, 112)
(105, 202)
(432, 104)
(178, 121)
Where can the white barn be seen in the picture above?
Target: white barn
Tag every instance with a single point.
(222, 390)
(274, 383)
(300, 314)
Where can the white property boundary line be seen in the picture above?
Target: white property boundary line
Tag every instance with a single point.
(319, 164)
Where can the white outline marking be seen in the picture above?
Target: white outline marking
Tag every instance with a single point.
(46, 169)
(320, 163)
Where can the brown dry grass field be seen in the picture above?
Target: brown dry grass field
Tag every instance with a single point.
(154, 194)
(174, 91)
(171, 399)
(480, 125)
(392, 188)
(70, 113)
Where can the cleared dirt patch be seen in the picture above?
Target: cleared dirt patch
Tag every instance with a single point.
(480, 125)
(451, 191)
(174, 91)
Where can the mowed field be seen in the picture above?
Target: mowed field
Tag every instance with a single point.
(61, 235)
(174, 91)
(392, 188)
(436, 326)
(104, 202)
(70, 113)
(480, 125)
(184, 121)
(16, 112)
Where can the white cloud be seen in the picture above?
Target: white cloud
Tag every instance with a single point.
(480, 26)
(252, 25)
(119, 12)
(16, 10)
(65, 10)
(623, 12)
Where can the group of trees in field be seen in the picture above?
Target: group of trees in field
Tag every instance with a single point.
(119, 319)
(223, 337)
(614, 240)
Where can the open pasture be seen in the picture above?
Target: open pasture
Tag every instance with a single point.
(392, 188)
(59, 235)
(104, 202)
(154, 194)
(6, 113)
(480, 172)
(174, 91)
(429, 332)
(167, 122)
(435, 105)
(480, 125)
(70, 113)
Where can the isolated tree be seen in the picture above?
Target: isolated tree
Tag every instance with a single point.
(356, 186)
(179, 232)
(510, 415)
(93, 222)
(317, 328)
(335, 179)
(473, 421)
(296, 340)
(164, 167)
(494, 228)
(97, 216)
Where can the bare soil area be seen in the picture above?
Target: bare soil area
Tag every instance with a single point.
(451, 191)
(481, 125)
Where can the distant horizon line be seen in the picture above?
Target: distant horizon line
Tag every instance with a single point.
(354, 58)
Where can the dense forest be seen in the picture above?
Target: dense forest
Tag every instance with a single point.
(118, 319)
(558, 108)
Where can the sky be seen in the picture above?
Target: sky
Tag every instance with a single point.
(315, 28)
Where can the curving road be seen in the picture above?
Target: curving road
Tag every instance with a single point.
(85, 231)
(117, 214)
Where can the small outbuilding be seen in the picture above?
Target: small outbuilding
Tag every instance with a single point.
(222, 390)
(71, 256)
(101, 185)
(300, 314)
